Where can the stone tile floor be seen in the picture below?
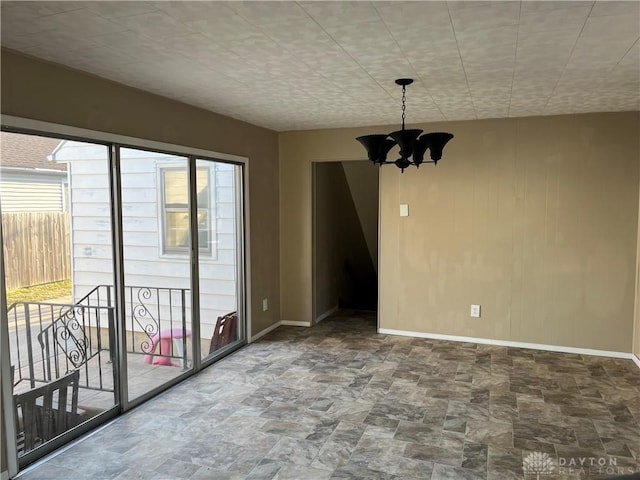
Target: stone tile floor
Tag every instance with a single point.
(340, 401)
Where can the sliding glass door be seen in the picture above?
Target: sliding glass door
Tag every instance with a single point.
(125, 273)
(58, 271)
(157, 276)
(221, 317)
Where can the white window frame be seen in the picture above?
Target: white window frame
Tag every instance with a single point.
(210, 249)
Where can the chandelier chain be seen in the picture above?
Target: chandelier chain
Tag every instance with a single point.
(404, 97)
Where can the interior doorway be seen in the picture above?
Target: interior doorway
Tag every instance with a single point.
(345, 237)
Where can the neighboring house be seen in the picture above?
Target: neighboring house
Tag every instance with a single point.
(34, 201)
(29, 181)
(155, 227)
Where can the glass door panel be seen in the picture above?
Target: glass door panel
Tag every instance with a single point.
(157, 276)
(57, 242)
(58, 239)
(217, 187)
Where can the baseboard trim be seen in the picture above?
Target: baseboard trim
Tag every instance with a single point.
(294, 323)
(505, 343)
(327, 314)
(635, 359)
(284, 323)
(262, 333)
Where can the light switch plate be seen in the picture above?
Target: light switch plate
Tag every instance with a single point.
(475, 311)
(404, 210)
(265, 304)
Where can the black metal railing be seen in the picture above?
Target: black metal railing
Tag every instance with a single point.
(50, 339)
(152, 314)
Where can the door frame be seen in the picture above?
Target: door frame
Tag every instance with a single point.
(314, 228)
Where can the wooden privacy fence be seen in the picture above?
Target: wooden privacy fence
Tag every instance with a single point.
(36, 248)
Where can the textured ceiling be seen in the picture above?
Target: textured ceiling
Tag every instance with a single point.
(303, 65)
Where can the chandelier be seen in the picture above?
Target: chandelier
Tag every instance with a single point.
(412, 148)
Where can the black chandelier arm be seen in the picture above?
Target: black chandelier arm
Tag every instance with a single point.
(413, 147)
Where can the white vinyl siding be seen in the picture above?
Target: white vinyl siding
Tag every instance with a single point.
(32, 192)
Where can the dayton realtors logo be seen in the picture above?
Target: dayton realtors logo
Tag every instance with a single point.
(539, 464)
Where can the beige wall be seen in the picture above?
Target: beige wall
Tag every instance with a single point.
(636, 317)
(534, 218)
(43, 91)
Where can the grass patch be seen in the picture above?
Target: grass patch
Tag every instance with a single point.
(39, 293)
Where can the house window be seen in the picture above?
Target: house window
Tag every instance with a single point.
(175, 207)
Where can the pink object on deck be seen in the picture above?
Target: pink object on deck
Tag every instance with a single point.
(164, 339)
